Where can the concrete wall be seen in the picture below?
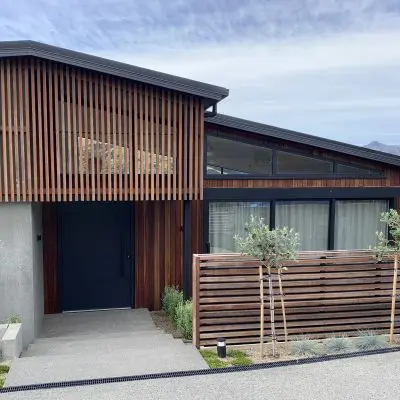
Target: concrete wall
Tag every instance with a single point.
(21, 266)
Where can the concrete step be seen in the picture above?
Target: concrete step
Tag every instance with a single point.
(45, 369)
(44, 347)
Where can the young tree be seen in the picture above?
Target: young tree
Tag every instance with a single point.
(390, 248)
(273, 248)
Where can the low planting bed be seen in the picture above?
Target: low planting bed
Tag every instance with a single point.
(301, 348)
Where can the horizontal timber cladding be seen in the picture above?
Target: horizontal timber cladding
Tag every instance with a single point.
(158, 250)
(325, 293)
(69, 134)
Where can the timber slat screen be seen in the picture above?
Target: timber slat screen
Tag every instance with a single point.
(335, 292)
(67, 134)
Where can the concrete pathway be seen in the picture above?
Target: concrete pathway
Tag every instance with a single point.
(364, 378)
(98, 345)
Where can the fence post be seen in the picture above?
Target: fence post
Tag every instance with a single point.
(196, 300)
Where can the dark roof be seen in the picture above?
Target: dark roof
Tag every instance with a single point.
(303, 138)
(30, 48)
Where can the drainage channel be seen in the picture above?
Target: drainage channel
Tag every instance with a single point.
(182, 374)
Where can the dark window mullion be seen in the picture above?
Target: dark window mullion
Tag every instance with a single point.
(331, 226)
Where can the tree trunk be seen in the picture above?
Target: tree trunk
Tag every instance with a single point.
(282, 304)
(261, 311)
(394, 294)
(272, 311)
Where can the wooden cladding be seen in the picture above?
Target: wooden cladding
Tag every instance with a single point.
(326, 293)
(158, 250)
(68, 134)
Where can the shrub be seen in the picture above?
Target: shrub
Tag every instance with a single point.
(337, 345)
(183, 318)
(304, 347)
(170, 300)
(13, 319)
(369, 340)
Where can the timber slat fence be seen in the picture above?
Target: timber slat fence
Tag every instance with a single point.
(326, 293)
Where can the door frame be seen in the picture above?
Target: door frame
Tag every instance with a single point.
(60, 269)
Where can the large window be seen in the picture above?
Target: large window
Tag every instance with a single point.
(227, 157)
(354, 226)
(229, 218)
(309, 219)
(356, 223)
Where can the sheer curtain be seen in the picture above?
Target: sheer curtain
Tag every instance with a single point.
(357, 222)
(309, 219)
(229, 218)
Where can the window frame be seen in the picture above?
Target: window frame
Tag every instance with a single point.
(375, 173)
(272, 217)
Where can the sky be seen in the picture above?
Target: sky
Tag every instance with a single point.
(330, 68)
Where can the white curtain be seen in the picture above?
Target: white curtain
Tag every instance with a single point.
(229, 218)
(357, 222)
(309, 219)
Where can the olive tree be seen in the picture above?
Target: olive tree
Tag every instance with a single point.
(390, 247)
(273, 247)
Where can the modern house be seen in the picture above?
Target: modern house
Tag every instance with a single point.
(112, 176)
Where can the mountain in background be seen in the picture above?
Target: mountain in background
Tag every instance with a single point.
(387, 148)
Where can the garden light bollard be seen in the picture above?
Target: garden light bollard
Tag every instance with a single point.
(221, 348)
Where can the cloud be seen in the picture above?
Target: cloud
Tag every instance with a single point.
(326, 67)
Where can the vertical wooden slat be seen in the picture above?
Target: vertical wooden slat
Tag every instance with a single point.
(10, 132)
(22, 129)
(146, 133)
(131, 150)
(157, 148)
(114, 121)
(40, 129)
(136, 138)
(169, 177)
(126, 146)
(103, 139)
(141, 141)
(97, 140)
(75, 105)
(151, 155)
(196, 148)
(57, 131)
(180, 148)
(51, 132)
(28, 134)
(92, 167)
(162, 144)
(15, 130)
(68, 134)
(175, 139)
(108, 114)
(45, 142)
(62, 136)
(80, 137)
(185, 149)
(119, 144)
(86, 123)
(191, 139)
(4, 130)
(201, 152)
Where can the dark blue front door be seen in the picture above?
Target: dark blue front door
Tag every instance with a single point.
(96, 258)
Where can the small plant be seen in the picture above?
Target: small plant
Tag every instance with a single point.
(369, 340)
(4, 369)
(13, 319)
(211, 358)
(304, 347)
(170, 300)
(2, 381)
(337, 345)
(183, 318)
